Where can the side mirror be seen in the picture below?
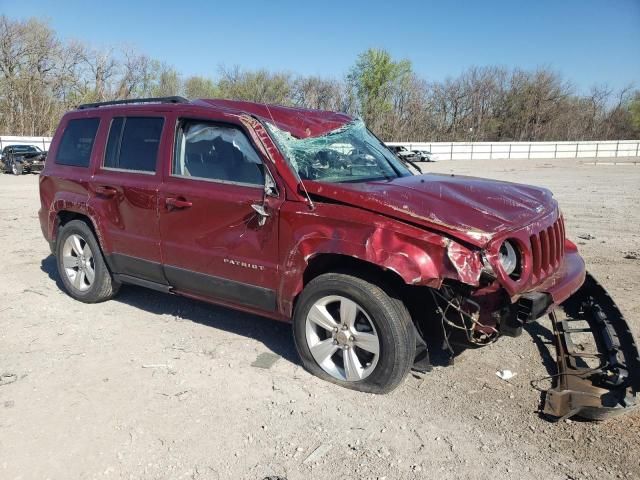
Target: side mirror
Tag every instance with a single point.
(270, 188)
(262, 213)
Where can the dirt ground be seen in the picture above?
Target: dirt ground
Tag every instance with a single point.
(151, 386)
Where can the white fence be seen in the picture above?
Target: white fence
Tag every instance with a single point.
(471, 151)
(524, 150)
(42, 142)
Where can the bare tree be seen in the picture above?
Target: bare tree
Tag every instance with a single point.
(41, 77)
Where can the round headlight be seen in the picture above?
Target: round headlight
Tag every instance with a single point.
(508, 257)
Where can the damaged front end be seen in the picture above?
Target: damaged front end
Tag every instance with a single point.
(477, 259)
(598, 364)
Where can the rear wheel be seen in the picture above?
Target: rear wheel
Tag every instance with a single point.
(81, 265)
(353, 333)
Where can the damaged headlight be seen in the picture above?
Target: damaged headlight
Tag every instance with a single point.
(509, 257)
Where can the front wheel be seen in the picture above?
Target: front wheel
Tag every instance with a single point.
(16, 169)
(353, 333)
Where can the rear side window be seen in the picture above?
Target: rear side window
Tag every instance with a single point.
(77, 142)
(133, 143)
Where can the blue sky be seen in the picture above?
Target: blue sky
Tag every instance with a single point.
(590, 42)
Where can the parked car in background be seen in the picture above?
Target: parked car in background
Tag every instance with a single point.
(403, 152)
(19, 159)
(413, 155)
(423, 155)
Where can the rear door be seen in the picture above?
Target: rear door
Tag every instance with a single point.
(125, 194)
(214, 243)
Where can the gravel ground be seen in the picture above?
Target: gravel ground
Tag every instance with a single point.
(155, 386)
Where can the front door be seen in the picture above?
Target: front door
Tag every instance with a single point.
(214, 243)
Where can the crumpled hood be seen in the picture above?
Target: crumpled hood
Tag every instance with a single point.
(471, 209)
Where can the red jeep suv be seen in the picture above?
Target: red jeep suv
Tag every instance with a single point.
(302, 216)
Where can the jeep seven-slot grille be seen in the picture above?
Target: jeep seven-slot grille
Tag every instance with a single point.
(547, 250)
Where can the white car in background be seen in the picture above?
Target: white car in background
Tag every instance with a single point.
(415, 155)
(423, 155)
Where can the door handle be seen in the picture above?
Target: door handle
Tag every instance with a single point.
(106, 191)
(177, 203)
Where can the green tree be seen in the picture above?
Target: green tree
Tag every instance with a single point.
(200, 87)
(375, 80)
(634, 110)
(168, 81)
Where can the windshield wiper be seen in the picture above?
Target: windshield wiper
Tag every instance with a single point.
(406, 161)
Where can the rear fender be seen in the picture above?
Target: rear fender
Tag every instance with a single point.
(74, 203)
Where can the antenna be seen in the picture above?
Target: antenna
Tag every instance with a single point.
(311, 204)
(269, 110)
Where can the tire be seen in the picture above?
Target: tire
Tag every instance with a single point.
(377, 313)
(81, 266)
(15, 169)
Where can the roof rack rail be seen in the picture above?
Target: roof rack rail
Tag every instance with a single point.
(174, 99)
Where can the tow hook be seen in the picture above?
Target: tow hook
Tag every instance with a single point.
(601, 382)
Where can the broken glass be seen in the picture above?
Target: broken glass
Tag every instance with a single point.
(350, 153)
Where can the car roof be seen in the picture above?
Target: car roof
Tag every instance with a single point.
(300, 122)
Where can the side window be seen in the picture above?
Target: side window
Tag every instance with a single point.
(216, 152)
(77, 142)
(133, 143)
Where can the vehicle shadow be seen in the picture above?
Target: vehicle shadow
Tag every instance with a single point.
(274, 335)
(543, 338)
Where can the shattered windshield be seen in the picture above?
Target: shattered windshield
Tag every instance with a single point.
(348, 154)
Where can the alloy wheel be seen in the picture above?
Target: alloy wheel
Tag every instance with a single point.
(78, 262)
(342, 338)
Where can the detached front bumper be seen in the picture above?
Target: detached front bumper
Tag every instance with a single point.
(598, 364)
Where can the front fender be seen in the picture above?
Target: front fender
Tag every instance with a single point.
(416, 256)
